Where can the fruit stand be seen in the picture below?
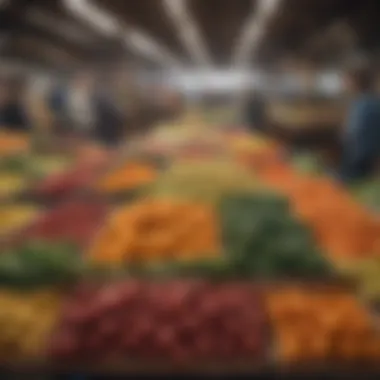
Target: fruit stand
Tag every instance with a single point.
(225, 258)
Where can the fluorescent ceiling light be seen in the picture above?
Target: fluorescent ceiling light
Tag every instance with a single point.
(180, 15)
(253, 30)
(133, 38)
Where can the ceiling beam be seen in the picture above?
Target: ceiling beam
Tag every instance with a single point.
(253, 31)
(133, 38)
(179, 13)
(66, 29)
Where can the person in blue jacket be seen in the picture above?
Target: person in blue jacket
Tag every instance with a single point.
(361, 137)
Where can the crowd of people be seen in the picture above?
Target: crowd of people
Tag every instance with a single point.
(110, 105)
(105, 106)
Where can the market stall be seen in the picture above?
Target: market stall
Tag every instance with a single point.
(220, 260)
(190, 245)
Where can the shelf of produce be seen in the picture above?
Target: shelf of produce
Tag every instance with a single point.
(73, 348)
(165, 323)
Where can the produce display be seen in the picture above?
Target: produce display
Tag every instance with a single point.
(366, 273)
(341, 225)
(129, 177)
(74, 221)
(263, 238)
(203, 180)
(16, 216)
(307, 163)
(26, 323)
(182, 321)
(33, 166)
(321, 326)
(11, 184)
(41, 263)
(229, 254)
(241, 143)
(13, 143)
(155, 230)
(67, 183)
(368, 193)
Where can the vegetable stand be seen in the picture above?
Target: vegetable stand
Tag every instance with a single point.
(223, 260)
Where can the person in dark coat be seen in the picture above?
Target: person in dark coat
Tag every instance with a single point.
(361, 137)
(85, 107)
(13, 114)
(254, 112)
(110, 121)
(72, 104)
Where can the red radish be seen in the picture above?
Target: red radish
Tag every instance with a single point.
(165, 336)
(64, 345)
(92, 344)
(171, 321)
(108, 327)
(76, 315)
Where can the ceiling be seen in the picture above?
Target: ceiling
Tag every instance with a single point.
(48, 34)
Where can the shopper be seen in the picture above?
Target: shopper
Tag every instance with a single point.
(13, 114)
(361, 136)
(73, 104)
(254, 112)
(110, 119)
